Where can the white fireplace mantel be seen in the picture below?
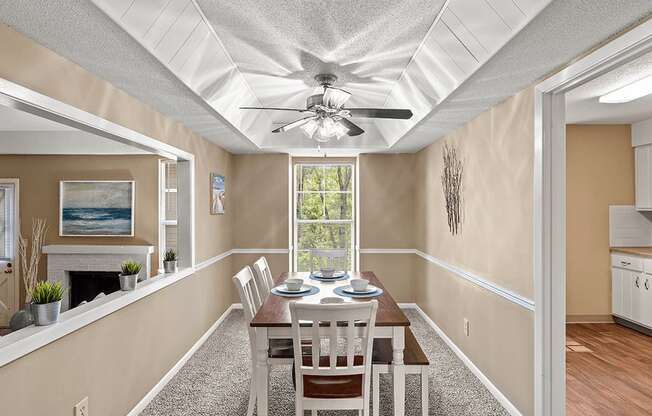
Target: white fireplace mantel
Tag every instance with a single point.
(95, 249)
(65, 258)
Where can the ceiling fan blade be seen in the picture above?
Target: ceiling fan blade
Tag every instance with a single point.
(335, 97)
(294, 124)
(275, 108)
(354, 129)
(381, 113)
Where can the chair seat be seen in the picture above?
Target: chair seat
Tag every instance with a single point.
(332, 387)
(284, 348)
(412, 354)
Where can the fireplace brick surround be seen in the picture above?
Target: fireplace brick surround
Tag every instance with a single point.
(62, 259)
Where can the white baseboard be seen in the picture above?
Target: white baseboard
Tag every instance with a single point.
(142, 404)
(504, 401)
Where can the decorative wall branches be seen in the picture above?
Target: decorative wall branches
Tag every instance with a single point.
(451, 180)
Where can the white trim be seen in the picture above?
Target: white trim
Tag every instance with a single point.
(388, 251)
(500, 397)
(484, 283)
(26, 340)
(475, 279)
(142, 404)
(93, 249)
(260, 251)
(549, 210)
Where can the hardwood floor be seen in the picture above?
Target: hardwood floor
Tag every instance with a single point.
(608, 371)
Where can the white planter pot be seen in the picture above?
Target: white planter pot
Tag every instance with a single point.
(46, 313)
(128, 282)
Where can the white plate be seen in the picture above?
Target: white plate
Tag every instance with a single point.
(331, 300)
(370, 289)
(284, 289)
(336, 275)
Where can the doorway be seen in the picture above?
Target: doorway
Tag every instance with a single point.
(9, 229)
(550, 214)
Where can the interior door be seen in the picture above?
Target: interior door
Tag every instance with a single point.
(8, 250)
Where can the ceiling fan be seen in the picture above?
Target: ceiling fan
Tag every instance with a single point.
(327, 117)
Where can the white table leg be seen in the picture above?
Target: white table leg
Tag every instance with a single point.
(398, 370)
(262, 371)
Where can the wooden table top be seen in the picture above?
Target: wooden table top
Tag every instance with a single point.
(275, 312)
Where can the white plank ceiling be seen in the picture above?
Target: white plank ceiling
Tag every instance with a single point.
(410, 54)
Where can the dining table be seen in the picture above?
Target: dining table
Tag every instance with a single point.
(273, 321)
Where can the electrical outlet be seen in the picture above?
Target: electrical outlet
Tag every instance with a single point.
(467, 327)
(81, 408)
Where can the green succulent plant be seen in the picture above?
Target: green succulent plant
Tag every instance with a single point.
(130, 267)
(170, 255)
(46, 292)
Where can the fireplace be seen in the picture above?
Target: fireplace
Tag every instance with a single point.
(65, 260)
(86, 285)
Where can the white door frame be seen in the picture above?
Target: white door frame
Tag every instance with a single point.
(549, 210)
(16, 230)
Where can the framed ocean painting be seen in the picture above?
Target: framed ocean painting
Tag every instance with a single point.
(96, 208)
(217, 194)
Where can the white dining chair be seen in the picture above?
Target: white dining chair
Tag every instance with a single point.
(264, 280)
(280, 350)
(335, 258)
(332, 381)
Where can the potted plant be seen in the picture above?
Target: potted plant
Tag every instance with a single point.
(129, 275)
(46, 302)
(170, 261)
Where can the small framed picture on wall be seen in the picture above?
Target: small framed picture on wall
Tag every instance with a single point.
(217, 194)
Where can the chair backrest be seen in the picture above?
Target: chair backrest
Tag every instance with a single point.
(331, 324)
(246, 283)
(264, 280)
(335, 258)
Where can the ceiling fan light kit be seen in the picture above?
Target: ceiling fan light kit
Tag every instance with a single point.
(327, 118)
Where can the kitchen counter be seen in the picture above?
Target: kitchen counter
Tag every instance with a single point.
(637, 251)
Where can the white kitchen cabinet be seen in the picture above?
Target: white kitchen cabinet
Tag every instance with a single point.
(631, 288)
(643, 162)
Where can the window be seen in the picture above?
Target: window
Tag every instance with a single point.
(168, 208)
(323, 210)
(7, 231)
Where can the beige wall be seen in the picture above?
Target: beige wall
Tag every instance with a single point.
(115, 372)
(495, 243)
(599, 173)
(39, 193)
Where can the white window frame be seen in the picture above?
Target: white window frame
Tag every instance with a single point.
(354, 211)
(163, 190)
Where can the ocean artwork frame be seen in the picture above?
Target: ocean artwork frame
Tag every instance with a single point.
(97, 208)
(217, 194)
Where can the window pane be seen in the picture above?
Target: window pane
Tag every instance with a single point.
(171, 238)
(310, 206)
(309, 178)
(170, 205)
(170, 175)
(324, 236)
(339, 206)
(338, 178)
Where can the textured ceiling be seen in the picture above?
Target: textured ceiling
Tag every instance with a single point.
(80, 32)
(582, 104)
(279, 46)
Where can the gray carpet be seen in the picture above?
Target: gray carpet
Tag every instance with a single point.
(215, 381)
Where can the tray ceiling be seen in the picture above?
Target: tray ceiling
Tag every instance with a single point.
(203, 59)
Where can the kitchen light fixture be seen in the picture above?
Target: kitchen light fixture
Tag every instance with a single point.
(630, 92)
(324, 129)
